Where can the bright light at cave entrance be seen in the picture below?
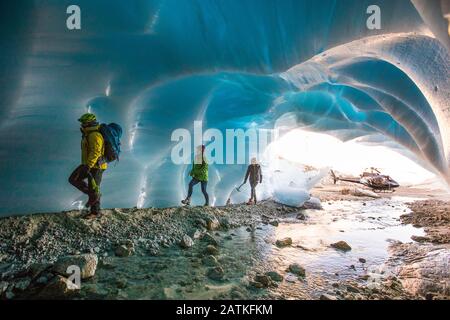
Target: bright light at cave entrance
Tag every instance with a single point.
(322, 150)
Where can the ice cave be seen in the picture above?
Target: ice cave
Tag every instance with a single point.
(155, 66)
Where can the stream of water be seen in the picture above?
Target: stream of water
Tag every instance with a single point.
(368, 227)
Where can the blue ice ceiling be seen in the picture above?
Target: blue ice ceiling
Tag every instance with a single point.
(157, 65)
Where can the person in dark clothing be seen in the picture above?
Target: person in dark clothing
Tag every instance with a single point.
(92, 163)
(254, 175)
(199, 174)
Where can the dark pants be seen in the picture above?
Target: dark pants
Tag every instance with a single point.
(203, 184)
(78, 180)
(253, 191)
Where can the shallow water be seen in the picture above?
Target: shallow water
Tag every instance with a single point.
(179, 274)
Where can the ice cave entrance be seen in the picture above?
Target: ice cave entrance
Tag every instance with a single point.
(300, 159)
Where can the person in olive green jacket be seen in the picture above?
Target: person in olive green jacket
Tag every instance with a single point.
(199, 174)
(92, 163)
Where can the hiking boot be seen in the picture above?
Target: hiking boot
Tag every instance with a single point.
(94, 198)
(250, 202)
(206, 205)
(91, 216)
(186, 201)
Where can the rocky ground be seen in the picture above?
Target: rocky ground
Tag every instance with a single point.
(423, 266)
(434, 216)
(32, 245)
(35, 250)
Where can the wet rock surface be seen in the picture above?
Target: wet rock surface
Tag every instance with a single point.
(297, 270)
(186, 242)
(216, 273)
(87, 263)
(283, 242)
(275, 276)
(422, 267)
(124, 251)
(341, 245)
(58, 288)
(434, 216)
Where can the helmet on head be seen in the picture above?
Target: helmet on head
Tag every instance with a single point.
(87, 118)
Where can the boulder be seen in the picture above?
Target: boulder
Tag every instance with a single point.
(297, 270)
(212, 250)
(186, 242)
(420, 239)
(58, 288)
(274, 223)
(128, 243)
(264, 280)
(210, 261)
(121, 283)
(341, 245)
(284, 242)
(201, 223)
(224, 222)
(352, 289)
(257, 285)
(37, 268)
(197, 234)
(125, 248)
(275, 276)
(209, 239)
(212, 223)
(124, 251)
(216, 273)
(313, 203)
(86, 262)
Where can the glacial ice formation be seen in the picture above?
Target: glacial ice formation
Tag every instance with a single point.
(157, 65)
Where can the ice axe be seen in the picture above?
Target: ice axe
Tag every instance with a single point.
(238, 189)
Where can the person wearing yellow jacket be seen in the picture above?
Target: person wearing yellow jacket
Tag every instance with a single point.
(92, 163)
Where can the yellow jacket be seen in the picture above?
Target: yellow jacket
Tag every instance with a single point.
(92, 148)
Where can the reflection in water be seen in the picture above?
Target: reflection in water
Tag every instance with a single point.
(244, 252)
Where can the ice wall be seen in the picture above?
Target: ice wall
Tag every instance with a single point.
(155, 66)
